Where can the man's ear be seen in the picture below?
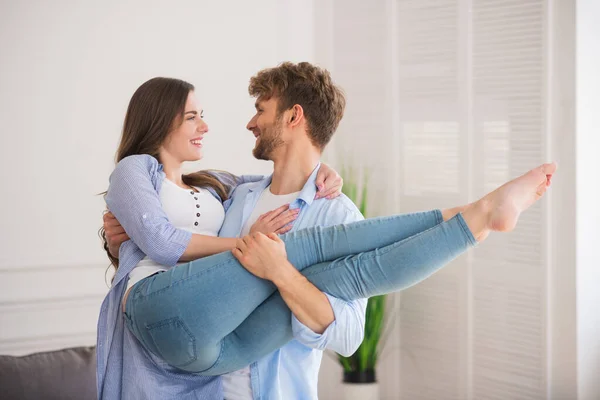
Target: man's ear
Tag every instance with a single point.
(297, 114)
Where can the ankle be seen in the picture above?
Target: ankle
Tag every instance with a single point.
(484, 209)
(477, 217)
(449, 213)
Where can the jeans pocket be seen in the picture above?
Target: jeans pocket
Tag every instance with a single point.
(173, 341)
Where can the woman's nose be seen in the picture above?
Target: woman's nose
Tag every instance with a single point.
(202, 126)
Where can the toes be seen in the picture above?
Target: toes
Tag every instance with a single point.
(549, 169)
(541, 190)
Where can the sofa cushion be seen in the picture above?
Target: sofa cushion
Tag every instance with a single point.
(62, 374)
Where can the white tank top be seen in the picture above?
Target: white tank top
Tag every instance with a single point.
(196, 211)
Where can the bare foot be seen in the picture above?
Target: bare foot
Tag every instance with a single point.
(500, 209)
(511, 199)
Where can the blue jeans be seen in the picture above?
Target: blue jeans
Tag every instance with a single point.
(211, 316)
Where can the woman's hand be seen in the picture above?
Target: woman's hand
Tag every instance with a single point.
(262, 255)
(278, 220)
(115, 233)
(329, 183)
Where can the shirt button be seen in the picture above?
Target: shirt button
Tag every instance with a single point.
(195, 198)
(192, 192)
(197, 206)
(196, 223)
(197, 214)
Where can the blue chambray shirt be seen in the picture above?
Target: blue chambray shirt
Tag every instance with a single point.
(124, 369)
(292, 371)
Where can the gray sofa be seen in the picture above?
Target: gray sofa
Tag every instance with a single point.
(68, 374)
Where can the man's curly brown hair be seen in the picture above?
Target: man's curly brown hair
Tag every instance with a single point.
(310, 87)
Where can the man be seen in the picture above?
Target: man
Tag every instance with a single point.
(298, 108)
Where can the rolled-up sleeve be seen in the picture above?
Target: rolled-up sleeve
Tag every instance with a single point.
(133, 199)
(343, 335)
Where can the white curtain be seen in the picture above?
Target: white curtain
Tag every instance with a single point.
(446, 100)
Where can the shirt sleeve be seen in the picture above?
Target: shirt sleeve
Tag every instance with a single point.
(232, 181)
(345, 334)
(133, 199)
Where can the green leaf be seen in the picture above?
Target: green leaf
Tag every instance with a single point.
(367, 354)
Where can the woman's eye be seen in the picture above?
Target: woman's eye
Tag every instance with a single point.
(193, 117)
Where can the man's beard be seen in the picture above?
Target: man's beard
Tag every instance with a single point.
(269, 140)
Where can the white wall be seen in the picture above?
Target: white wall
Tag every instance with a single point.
(355, 41)
(547, 346)
(68, 70)
(562, 286)
(588, 199)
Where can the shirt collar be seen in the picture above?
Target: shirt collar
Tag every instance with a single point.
(260, 185)
(307, 194)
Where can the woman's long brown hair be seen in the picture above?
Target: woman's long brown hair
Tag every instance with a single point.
(154, 109)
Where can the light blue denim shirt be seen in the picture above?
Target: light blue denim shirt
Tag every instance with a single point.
(292, 371)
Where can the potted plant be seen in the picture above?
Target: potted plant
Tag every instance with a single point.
(360, 380)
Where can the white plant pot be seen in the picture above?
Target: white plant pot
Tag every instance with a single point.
(360, 391)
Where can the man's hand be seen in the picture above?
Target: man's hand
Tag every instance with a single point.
(262, 255)
(329, 183)
(266, 258)
(115, 234)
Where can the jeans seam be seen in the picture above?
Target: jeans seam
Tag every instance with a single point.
(390, 247)
(369, 257)
(170, 321)
(222, 343)
(439, 217)
(129, 312)
(137, 291)
(174, 284)
(466, 230)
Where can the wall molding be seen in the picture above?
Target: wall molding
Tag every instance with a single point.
(34, 344)
(48, 307)
(46, 304)
(52, 267)
(48, 338)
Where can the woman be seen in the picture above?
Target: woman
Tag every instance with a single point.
(200, 316)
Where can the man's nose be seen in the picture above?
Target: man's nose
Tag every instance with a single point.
(251, 124)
